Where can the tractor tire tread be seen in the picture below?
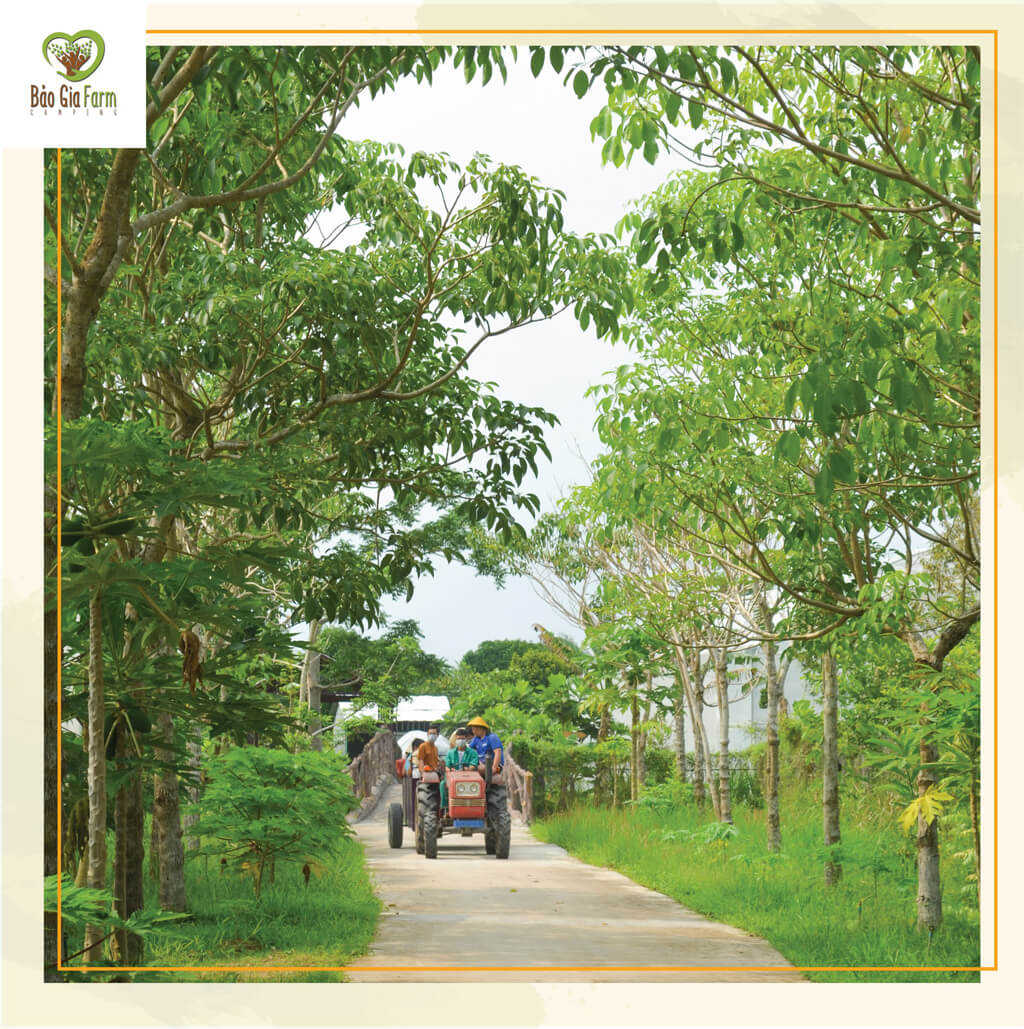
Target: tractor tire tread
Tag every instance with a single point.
(395, 819)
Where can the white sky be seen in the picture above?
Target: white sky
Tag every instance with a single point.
(540, 125)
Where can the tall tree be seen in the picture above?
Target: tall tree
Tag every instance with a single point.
(830, 764)
(300, 404)
(820, 293)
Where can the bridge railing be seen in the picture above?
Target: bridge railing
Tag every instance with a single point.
(374, 770)
(519, 786)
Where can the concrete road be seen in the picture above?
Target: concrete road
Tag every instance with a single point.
(540, 916)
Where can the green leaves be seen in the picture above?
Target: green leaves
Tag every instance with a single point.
(840, 465)
(671, 101)
(823, 484)
(294, 383)
(602, 124)
(877, 339)
(729, 73)
(788, 447)
(260, 803)
(83, 905)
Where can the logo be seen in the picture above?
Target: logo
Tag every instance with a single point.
(74, 53)
(89, 89)
(80, 55)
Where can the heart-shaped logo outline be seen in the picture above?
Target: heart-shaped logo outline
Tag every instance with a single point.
(82, 73)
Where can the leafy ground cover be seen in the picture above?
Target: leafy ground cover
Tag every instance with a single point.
(325, 924)
(867, 920)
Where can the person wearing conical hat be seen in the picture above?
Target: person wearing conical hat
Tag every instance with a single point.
(492, 758)
(486, 744)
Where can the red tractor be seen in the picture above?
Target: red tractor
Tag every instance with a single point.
(474, 806)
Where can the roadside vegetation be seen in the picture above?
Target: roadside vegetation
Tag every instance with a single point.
(323, 924)
(866, 920)
(847, 903)
(325, 921)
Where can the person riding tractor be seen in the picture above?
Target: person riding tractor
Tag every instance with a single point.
(486, 744)
(462, 755)
(492, 760)
(462, 796)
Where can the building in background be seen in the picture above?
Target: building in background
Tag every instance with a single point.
(416, 713)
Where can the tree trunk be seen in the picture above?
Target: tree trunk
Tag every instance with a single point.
(774, 688)
(641, 757)
(195, 761)
(700, 793)
(702, 781)
(154, 837)
(97, 775)
(634, 740)
(167, 813)
(679, 733)
(313, 691)
(830, 763)
(307, 660)
(126, 947)
(51, 739)
(602, 775)
(92, 279)
(722, 692)
(194, 766)
(929, 886)
(690, 676)
(710, 782)
(975, 824)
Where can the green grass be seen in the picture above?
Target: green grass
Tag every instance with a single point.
(868, 919)
(327, 923)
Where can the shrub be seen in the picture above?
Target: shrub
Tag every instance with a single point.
(665, 797)
(660, 763)
(261, 806)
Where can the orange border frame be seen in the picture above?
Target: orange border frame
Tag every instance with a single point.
(271, 969)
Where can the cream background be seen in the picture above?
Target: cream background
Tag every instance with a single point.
(27, 1001)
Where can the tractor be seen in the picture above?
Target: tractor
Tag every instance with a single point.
(476, 804)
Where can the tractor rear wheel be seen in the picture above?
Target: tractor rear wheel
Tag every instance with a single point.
(421, 810)
(499, 818)
(430, 833)
(489, 841)
(395, 817)
(427, 812)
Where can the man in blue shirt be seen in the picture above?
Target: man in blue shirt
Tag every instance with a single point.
(492, 756)
(487, 745)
